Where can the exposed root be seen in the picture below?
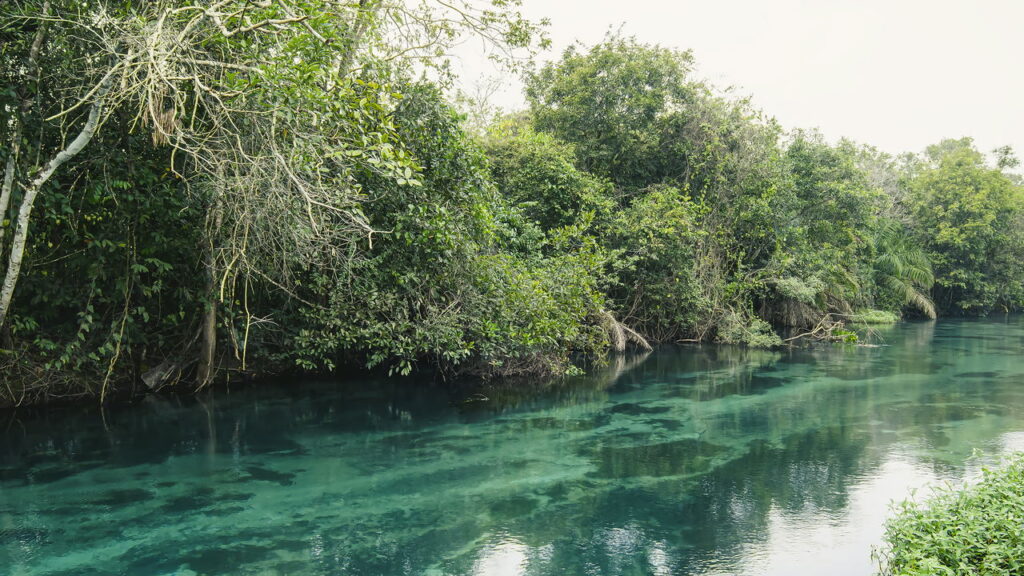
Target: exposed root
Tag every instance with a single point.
(826, 328)
(822, 331)
(619, 334)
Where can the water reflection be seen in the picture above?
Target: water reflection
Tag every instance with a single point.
(506, 557)
(706, 460)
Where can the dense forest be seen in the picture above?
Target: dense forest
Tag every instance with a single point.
(196, 191)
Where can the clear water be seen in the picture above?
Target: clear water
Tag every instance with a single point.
(696, 461)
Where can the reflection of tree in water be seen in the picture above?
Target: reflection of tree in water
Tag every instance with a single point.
(517, 395)
(251, 421)
(636, 525)
(687, 523)
(708, 372)
(654, 517)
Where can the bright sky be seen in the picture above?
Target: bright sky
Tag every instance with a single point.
(897, 74)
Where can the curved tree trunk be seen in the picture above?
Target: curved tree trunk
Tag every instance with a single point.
(33, 188)
(18, 128)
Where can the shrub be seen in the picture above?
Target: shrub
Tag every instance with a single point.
(875, 317)
(977, 530)
(750, 330)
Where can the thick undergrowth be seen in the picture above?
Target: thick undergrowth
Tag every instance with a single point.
(196, 192)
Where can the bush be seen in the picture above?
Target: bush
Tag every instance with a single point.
(875, 317)
(750, 330)
(978, 529)
(537, 173)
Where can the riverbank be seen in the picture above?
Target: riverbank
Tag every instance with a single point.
(866, 329)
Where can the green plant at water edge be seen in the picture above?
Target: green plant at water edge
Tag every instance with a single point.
(845, 336)
(240, 188)
(875, 317)
(978, 529)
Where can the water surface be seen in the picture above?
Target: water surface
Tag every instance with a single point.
(704, 460)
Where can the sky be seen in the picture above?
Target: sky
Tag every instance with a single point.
(896, 74)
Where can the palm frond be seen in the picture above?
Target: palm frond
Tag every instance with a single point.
(910, 295)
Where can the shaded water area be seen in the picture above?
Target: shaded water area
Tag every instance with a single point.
(703, 460)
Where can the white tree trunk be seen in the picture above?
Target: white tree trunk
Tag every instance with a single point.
(26, 104)
(8, 185)
(32, 190)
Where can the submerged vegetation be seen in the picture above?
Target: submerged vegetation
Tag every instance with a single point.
(197, 190)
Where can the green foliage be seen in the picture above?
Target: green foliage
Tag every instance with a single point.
(903, 271)
(110, 261)
(608, 102)
(656, 240)
(750, 330)
(298, 174)
(532, 316)
(802, 290)
(978, 529)
(695, 175)
(445, 284)
(828, 211)
(968, 216)
(332, 212)
(845, 336)
(877, 317)
(537, 174)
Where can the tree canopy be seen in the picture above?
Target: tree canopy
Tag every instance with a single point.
(205, 190)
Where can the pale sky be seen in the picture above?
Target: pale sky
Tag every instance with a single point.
(897, 74)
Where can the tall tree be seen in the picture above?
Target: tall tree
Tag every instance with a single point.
(967, 216)
(270, 110)
(609, 101)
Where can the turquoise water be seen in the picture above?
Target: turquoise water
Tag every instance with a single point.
(704, 460)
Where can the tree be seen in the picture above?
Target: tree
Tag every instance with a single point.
(829, 213)
(538, 174)
(608, 101)
(270, 112)
(903, 271)
(453, 282)
(967, 216)
(633, 115)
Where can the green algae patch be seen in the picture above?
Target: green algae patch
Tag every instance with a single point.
(675, 458)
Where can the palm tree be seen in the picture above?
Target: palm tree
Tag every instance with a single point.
(902, 269)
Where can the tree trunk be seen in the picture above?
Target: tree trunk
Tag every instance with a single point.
(365, 11)
(208, 330)
(32, 190)
(8, 185)
(17, 130)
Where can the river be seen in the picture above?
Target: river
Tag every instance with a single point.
(702, 460)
